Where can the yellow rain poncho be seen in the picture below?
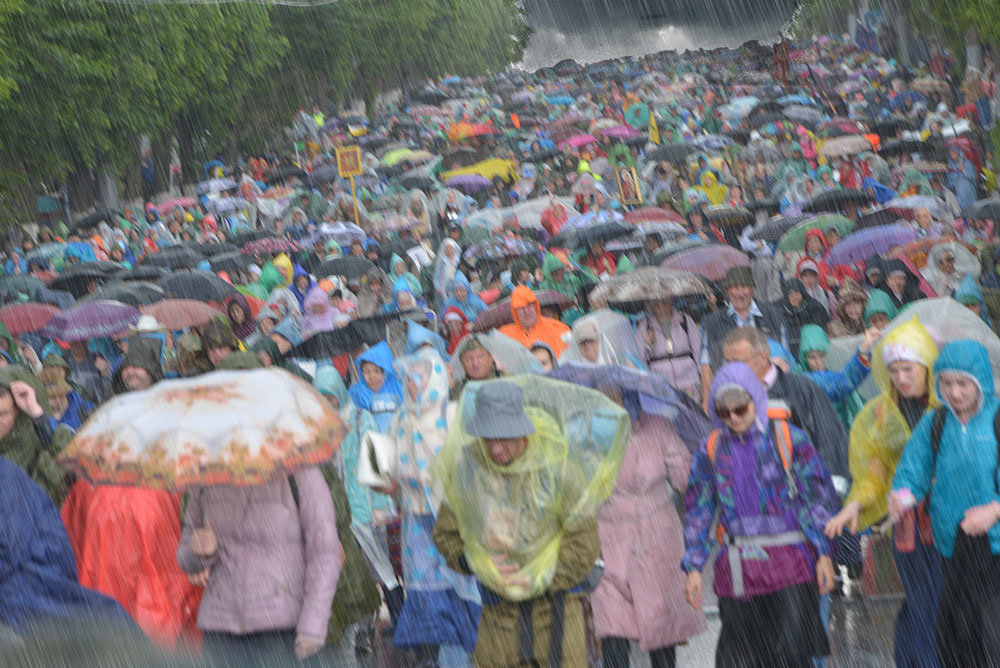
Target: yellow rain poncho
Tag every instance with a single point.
(715, 191)
(518, 513)
(880, 431)
(284, 265)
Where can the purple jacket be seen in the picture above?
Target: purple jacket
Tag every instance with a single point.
(277, 564)
(747, 485)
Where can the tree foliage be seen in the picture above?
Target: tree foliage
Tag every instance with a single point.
(81, 81)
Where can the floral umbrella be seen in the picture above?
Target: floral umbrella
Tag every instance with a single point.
(271, 246)
(223, 428)
(648, 284)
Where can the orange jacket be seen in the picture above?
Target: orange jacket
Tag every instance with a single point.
(547, 330)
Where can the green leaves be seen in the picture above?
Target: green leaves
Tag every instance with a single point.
(81, 81)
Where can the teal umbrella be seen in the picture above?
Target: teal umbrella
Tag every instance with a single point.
(637, 116)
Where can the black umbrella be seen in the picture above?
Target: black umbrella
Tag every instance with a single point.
(284, 173)
(988, 209)
(134, 293)
(325, 174)
(672, 152)
(760, 120)
(397, 246)
(432, 96)
(143, 272)
(877, 217)
(741, 137)
(372, 142)
(211, 250)
(93, 219)
(544, 154)
(21, 283)
(602, 232)
(348, 267)
(182, 258)
(324, 345)
(832, 201)
(463, 157)
(244, 238)
(234, 261)
(902, 147)
(773, 229)
(729, 216)
(419, 181)
(199, 285)
(372, 330)
(890, 127)
(76, 280)
(770, 204)
(63, 300)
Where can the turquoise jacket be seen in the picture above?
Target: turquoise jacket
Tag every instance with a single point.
(963, 475)
(361, 499)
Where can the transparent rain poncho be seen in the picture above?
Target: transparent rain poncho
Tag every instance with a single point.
(615, 337)
(518, 513)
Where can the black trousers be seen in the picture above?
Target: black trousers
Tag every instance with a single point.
(615, 652)
(779, 630)
(968, 634)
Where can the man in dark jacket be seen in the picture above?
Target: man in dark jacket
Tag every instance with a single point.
(741, 311)
(810, 408)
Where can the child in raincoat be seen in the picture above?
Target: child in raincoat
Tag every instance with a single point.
(839, 386)
(959, 474)
(377, 390)
(902, 366)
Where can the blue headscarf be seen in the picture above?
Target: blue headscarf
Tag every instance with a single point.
(473, 304)
(969, 291)
(417, 336)
(300, 295)
(383, 403)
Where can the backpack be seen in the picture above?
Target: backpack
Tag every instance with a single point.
(937, 428)
(781, 428)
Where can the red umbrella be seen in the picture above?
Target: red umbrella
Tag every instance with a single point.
(712, 261)
(28, 317)
(180, 313)
(652, 214)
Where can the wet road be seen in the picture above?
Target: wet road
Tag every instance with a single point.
(861, 631)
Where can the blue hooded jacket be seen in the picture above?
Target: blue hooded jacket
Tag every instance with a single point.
(39, 582)
(968, 290)
(383, 403)
(964, 473)
(882, 193)
(417, 336)
(473, 304)
(300, 295)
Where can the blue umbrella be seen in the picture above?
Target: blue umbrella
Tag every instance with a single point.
(796, 98)
(861, 245)
(643, 392)
(560, 100)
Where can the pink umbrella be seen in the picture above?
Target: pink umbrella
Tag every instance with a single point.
(576, 141)
(621, 132)
(183, 202)
(711, 261)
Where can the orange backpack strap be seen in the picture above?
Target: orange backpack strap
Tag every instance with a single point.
(713, 440)
(783, 440)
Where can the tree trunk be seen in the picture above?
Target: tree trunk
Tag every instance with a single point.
(973, 49)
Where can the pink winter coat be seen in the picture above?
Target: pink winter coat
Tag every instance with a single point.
(642, 593)
(277, 564)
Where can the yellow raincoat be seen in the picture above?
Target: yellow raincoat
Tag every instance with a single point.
(715, 191)
(880, 431)
(283, 264)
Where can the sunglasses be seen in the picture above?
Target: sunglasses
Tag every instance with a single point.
(737, 411)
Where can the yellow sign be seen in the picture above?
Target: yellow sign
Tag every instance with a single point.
(349, 161)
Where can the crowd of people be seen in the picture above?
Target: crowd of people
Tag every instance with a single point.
(584, 328)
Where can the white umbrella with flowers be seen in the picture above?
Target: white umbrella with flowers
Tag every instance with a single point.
(222, 428)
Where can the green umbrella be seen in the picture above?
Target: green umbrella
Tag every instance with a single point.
(637, 116)
(794, 238)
